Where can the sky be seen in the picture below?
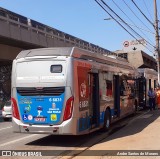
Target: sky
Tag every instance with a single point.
(85, 19)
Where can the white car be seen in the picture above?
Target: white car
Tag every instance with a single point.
(7, 111)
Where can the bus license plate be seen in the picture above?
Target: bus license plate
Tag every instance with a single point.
(40, 119)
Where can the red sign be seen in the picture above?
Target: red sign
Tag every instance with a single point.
(126, 44)
(83, 87)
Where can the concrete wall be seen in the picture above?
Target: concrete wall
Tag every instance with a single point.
(135, 59)
(8, 52)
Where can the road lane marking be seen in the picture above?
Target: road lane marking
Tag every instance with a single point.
(6, 128)
(11, 142)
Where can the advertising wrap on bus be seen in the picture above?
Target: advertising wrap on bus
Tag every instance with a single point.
(40, 109)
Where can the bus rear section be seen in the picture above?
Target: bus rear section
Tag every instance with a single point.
(148, 78)
(42, 100)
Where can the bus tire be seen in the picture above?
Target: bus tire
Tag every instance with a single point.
(107, 120)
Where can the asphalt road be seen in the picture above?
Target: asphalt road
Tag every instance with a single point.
(64, 144)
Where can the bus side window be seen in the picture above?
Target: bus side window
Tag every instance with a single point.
(108, 88)
(122, 89)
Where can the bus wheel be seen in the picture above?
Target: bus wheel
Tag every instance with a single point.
(107, 120)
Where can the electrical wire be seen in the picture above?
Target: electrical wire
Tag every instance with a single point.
(158, 13)
(136, 15)
(148, 10)
(140, 29)
(124, 22)
(142, 13)
(115, 19)
(120, 24)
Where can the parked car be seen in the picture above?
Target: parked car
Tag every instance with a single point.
(7, 111)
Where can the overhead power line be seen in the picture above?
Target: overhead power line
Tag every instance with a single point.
(140, 29)
(136, 15)
(142, 13)
(148, 10)
(120, 23)
(133, 26)
(124, 22)
(115, 19)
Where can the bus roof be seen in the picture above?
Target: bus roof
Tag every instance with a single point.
(57, 51)
(76, 53)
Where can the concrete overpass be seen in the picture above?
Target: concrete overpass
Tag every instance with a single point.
(18, 33)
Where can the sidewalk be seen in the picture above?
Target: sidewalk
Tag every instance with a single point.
(142, 133)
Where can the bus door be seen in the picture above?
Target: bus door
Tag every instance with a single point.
(116, 96)
(142, 92)
(94, 104)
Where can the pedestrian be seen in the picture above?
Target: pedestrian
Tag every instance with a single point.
(158, 97)
(152, 98)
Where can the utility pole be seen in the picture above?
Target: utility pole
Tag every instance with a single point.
(157, 51)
